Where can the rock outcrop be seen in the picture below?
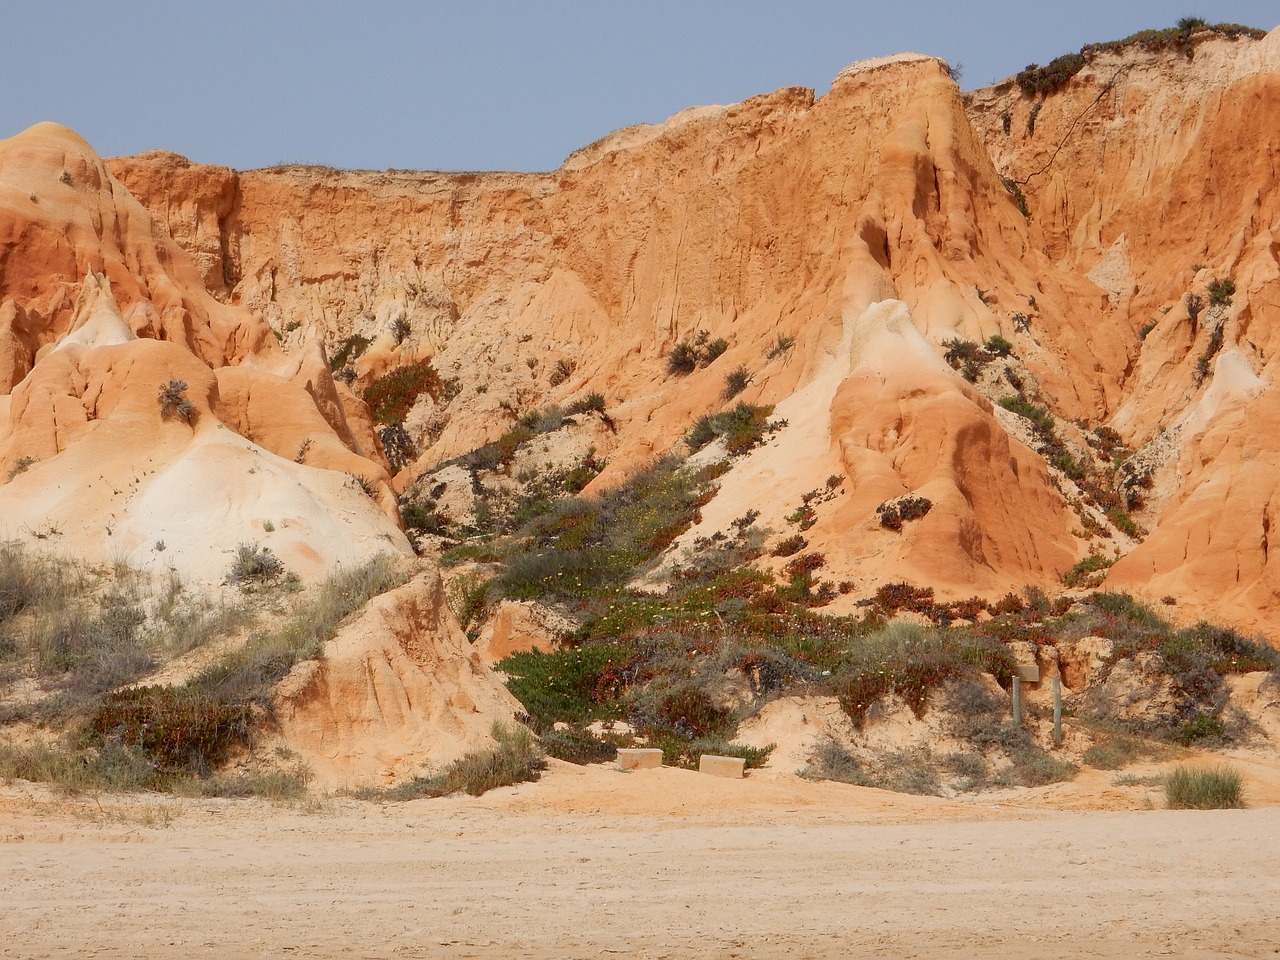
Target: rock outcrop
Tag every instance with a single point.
(397, 689)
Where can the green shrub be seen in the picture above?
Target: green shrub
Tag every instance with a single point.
(398, 445)
(1124, 606)
(1195, 304)
(684, 754)
(1221, 290)
(911, 662)
(780, 346)
(735, 382)
(425, 518)
(1084, 569)
(1182, 37)
(683, 358)
(1036, 79)
(960, 351)
(1186, 788)
(713, 350)
(1068, 464)
(998, 346)
(743, 427)
(687, 355)
(1041, 419)
(1123, 522)
(832, 761)
(703, 432)
(20, 466)
(1033, 767)
(900, 595)
(689, 711)
(1199, 729)
(392, 396)
(591, 402)
(972, 769)
(577, 745)
(789, 545)
(588, 546)
(1112, 753)
(349, 351)
(570, 685)
(1219, 649)
(562, 371)
(543, 421)
(894, 513)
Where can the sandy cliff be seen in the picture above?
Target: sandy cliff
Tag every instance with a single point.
(870, 224)
(1154, 172)
(103, 315)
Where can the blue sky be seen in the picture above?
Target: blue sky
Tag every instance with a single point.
(483, 85)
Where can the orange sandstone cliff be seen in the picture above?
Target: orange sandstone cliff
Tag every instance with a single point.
(868, 228)
(103, 316)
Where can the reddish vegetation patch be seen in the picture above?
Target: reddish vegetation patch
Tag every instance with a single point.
(392, 396)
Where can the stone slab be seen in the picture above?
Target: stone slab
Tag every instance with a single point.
(722, 766)
(639, 758)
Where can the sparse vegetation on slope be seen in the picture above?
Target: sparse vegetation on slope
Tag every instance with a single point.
(104, 734)
(348, 352)
(83, 633)
(701, 351)
(743, 427)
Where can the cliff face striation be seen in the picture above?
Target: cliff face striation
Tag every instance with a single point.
(1154, 173)
(862, 255)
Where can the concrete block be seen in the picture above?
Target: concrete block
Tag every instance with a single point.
(1027, 672)
(639, 758)
(722, 766)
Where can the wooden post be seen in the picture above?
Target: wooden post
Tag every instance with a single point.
(1017, 702)
(1057, 712)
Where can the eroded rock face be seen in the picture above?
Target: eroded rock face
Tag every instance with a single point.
(1151, 171)
(142, 419)
(519, 627)
(825, 221)
(63, 215)
(398, 688)
(1140, 689)
(864, 228)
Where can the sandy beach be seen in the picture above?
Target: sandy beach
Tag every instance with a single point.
(655, 864)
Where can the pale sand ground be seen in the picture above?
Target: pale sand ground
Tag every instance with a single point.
(591, 863)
